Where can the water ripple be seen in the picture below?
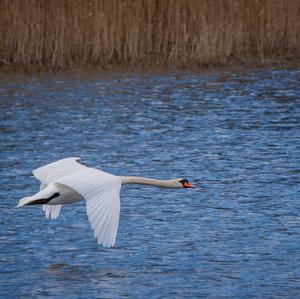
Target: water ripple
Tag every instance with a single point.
(236, 134)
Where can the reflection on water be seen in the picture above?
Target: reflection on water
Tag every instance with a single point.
(235, 134)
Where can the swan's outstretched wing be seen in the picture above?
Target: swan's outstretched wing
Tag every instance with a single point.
(51, 172)
(52, 211)
(102, 193)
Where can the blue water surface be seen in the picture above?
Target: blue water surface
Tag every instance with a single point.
(234, 133)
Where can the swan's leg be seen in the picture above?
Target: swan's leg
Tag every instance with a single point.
(43, 201)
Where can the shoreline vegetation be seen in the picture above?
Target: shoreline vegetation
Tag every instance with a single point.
(38, 35)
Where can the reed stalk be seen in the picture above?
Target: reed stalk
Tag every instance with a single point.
(130, 33)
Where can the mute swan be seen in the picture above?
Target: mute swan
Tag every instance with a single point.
(67, 181)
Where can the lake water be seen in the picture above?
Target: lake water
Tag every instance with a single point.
(234, 133)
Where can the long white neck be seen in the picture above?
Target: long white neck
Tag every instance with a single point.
(152, 182)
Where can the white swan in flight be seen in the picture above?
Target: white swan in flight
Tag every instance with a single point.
(67, 181)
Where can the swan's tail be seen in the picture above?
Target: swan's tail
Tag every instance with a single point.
(40, 198)
(31, 199)
(25, 201)
(51, 211)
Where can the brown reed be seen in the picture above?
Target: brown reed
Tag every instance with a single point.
(130, 33)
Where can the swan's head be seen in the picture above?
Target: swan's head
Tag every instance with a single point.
(184, 183)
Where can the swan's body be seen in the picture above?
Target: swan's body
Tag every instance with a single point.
(66, 181)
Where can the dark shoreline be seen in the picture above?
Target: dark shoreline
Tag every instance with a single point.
(100, 71)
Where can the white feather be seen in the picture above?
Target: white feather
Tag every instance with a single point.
(102, 194)
(50, 173)
(52, 210)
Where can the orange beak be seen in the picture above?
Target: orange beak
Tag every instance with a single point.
(188, 185)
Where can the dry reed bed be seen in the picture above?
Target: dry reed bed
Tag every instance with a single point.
(181, 33)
